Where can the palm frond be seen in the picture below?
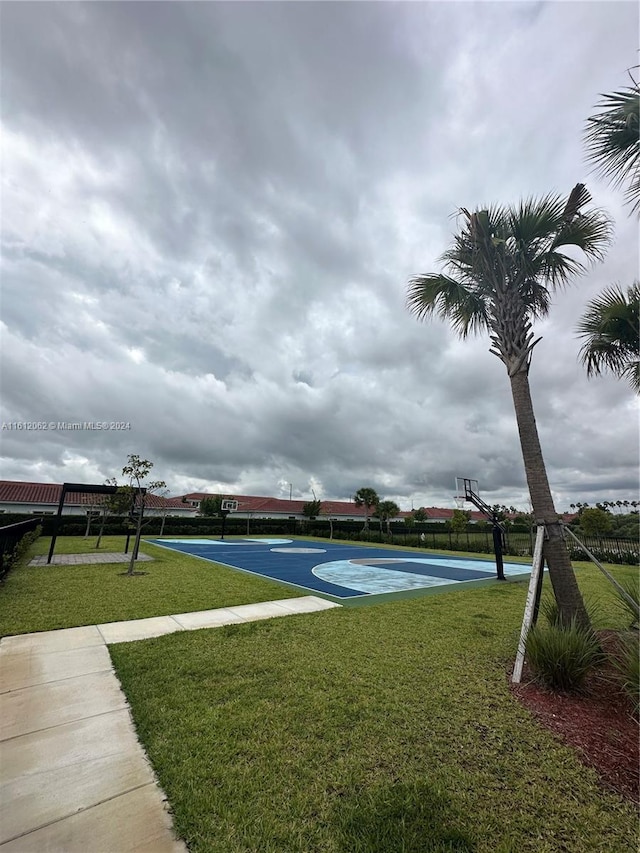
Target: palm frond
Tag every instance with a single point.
(557, 269)
(535, 220)
(536, 296)
(590, 232)
(632, 373)
(578, 197)
(613, 140)
(611, 328)
(503, 265)
(448, 299)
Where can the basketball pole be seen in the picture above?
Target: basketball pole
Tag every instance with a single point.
(470, 494)
(224, 513)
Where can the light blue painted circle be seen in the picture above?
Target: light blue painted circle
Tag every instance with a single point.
(298, 550)
(372, 579)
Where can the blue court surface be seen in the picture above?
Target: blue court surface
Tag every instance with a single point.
(341, 571)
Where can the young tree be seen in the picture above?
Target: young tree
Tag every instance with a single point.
(137, 470)
(311, 509)
(595, 521)
(211, 507)
(368, 498)
(115, 504)
(611, 329)
(459, 521)
(420, 514)
(505, 263)
(325, 512)
(92, 513)
(165, 510)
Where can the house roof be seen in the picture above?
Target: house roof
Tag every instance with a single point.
(254, 503)
(257, 503)
(13, 491)
(439, 513)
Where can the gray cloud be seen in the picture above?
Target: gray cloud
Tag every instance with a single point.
(210, 215)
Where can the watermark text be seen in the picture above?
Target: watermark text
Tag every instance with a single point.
(54, 426)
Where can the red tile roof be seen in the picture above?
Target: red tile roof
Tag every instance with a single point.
(253, 503)
(256, 503)
(12, 491)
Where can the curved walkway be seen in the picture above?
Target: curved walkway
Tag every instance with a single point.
(75, 779)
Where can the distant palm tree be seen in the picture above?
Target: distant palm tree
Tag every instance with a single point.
(505, 262)
(613, 140)
(368, 498)
(611, 328)
(386, 510)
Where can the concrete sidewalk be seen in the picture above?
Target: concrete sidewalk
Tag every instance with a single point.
(88, 559)
(74, 777)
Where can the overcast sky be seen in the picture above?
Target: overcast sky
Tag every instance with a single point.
(210, 213)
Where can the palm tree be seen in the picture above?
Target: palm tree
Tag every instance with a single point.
(367, 498)
(505, 262)
(611, 328)
(386, 510)
(613, 140)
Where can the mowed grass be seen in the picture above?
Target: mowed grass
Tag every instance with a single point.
(43, 598)
(375, 729)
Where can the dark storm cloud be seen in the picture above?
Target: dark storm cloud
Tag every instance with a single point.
(214, 212)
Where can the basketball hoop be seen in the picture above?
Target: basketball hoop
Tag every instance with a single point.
(226, 507)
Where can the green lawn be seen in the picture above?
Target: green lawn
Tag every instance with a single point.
(376, 729)
(41, 598)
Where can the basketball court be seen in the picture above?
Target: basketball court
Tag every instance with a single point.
(339, 571)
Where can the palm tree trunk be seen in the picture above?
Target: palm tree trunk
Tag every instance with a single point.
(563, 579)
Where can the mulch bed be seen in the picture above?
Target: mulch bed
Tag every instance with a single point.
(598, 723)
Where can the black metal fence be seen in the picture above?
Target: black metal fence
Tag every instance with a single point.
(10, 537)
(518, 541)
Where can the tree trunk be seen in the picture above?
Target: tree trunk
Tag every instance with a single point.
(563, 579)
(136, 546)
(104, 515)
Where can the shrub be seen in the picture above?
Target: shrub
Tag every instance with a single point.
(628, 665)
(561, 656)
(631, 586)
(549, 609)
(20, 549)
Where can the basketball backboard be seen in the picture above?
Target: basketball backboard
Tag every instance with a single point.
(465, 489)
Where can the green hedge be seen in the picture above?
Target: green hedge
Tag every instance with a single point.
(477, 538)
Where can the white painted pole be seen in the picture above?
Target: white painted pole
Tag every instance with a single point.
(527, 619)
